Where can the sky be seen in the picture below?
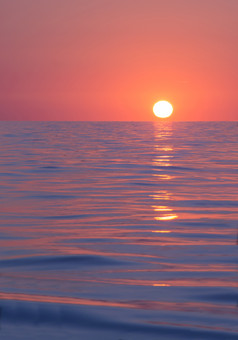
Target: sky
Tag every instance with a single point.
(103, 60)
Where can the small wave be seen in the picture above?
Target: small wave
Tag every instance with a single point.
(93, 320)
(179, 168)
(60, 261)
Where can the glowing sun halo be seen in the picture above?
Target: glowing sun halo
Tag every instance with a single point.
(163, 109)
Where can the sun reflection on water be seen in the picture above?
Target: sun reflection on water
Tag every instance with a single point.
(161, 208)
(166, 218)
(161, 231)
(163, 160)
(161, 285)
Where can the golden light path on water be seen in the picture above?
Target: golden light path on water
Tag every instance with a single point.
(163, 159)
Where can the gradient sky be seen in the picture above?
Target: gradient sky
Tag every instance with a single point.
(113, 59)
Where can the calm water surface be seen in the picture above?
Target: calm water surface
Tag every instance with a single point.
(118, 231)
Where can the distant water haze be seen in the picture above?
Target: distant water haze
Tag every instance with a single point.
(118, 230)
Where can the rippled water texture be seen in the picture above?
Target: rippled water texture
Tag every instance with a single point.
(118, 231)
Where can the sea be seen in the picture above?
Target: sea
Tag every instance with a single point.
(118, 230)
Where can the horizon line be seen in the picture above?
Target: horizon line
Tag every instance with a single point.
(119, 121)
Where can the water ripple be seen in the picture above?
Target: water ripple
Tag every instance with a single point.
(118, 230)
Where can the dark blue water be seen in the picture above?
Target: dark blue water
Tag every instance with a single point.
(118, 230)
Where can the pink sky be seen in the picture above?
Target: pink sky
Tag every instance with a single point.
(113, 59)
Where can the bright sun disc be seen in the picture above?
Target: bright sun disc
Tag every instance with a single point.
(163, 109)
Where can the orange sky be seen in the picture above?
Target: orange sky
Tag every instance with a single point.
(112, 60)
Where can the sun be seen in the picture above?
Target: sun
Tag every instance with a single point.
(162, 109)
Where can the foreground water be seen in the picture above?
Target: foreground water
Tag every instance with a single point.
(118, 231)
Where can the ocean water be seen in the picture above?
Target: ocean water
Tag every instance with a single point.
(118, 231)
